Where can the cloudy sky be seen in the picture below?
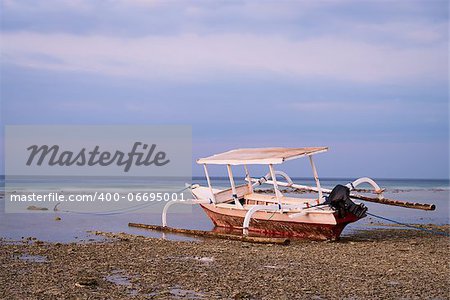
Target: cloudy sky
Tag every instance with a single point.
(369, 79)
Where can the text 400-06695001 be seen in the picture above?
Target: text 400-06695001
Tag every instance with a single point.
(141, 197)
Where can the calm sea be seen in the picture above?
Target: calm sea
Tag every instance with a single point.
(73, 226)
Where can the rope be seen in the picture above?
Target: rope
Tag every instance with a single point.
(119, 210)
(271, 216)
(410, 226)
(112, 212)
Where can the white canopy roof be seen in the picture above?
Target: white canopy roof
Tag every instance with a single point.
(261, 156)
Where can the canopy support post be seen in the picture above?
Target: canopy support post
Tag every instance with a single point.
(316, 177)
(233, 187)
(209, 183)
(249, 181)
(278, 194)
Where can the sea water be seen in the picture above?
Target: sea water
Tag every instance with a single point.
(73, 226)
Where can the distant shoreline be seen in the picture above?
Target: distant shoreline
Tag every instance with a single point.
(196, 177)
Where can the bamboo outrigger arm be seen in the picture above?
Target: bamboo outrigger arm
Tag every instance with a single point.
(381, 200)
(377, 189)
(268, 176)
(273, 207)
(254, 209)
(170, 203)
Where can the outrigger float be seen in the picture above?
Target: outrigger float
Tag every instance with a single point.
(244, 208)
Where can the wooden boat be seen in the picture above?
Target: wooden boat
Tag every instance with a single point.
(245, 208)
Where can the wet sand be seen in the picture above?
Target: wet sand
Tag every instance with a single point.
(383, 263)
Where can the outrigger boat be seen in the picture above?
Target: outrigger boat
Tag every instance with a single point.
(244, 208)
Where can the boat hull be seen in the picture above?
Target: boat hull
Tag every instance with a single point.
(281, 227)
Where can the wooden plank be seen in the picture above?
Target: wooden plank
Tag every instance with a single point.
(211, 234)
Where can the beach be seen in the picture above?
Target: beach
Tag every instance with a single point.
(57, 255)
(243, 149)
(389, 263)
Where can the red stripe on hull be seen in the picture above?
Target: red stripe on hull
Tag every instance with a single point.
(282, 228)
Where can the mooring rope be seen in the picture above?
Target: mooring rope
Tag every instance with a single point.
(119, 210)
(410, 226)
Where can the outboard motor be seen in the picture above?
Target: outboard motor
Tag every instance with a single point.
(339, 199)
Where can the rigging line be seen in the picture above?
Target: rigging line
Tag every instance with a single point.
(410, 226)
(271, 216)
(109, 213)
(119, 210)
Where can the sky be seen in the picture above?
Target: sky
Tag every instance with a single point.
(368, 79)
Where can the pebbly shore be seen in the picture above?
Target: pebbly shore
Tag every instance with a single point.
(375, 264)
